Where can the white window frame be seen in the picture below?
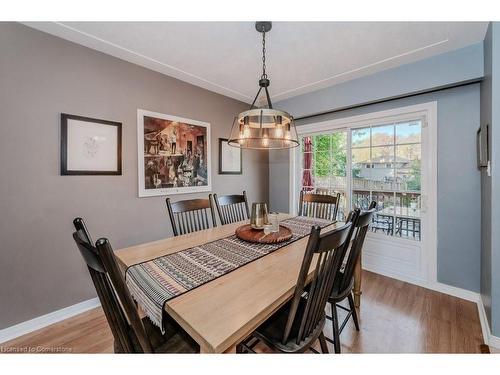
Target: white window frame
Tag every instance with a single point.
(428, 113)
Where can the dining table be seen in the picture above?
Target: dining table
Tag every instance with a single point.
(223, 312)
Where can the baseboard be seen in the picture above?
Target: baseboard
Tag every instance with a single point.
(489, 339)
(438, 287)
(23, 328)
(456, 292)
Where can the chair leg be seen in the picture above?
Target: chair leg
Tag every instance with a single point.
(353, 310)
(322, 343)
(335, 325)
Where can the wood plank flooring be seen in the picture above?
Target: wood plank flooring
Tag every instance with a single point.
(395, 317)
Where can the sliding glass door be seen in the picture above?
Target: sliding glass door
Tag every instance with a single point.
(381, 160)
(386, 168)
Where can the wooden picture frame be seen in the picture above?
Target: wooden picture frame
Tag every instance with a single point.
(90, 146)
(228, 158)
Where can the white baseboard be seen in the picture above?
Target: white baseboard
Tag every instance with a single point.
(489, 339)
(455, 292)
(23, 328)
(436, 286)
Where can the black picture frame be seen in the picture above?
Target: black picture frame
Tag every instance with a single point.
(221, 171)
(64, 147)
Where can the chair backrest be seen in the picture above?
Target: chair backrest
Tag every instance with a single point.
(191, 215)
(322, 191)
(322, 206)
(326, 265)
(232, 208)
(360, 228)
(116, 301)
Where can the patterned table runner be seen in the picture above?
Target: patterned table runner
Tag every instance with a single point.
(154, 282)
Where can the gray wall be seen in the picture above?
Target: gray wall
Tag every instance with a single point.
(462, 65)
(459, 213)
(40, 77)
(490, 185)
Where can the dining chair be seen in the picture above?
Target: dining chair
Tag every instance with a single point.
(191, 215)
(232, 208)
(296, 326)
(323, 191)
(344, 281)
(131, 333)
(321, 206)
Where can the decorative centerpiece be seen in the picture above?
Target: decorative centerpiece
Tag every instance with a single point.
(259, 215)
(247, 233)
(263, 227)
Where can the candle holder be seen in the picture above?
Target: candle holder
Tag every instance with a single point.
(259, 215)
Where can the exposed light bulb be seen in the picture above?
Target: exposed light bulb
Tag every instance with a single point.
(246, 131)
(279, 131)
(265, 138)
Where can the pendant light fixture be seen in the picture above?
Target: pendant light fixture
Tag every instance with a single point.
(263, 128)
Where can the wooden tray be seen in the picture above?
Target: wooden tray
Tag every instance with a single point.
(247, 233)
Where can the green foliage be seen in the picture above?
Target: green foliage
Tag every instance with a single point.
(414, 183)
(330, 155)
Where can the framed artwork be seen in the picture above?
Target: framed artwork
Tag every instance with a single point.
(174, 154)
(230, 161)
(90, 146)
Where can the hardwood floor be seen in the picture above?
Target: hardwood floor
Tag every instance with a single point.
(395, 317)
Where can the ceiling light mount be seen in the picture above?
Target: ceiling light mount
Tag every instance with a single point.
(263, 26)
(263, 128)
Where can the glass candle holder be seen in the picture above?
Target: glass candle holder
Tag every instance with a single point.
(274, 221)
(259, 215)
(268, 228)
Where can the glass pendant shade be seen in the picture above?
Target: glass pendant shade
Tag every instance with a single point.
(263, 128)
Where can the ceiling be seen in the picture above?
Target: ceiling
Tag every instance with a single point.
(225, 57)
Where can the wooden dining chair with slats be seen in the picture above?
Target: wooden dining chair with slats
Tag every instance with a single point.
(191, 215)
(131, 333)
(232, 208)
(344, 281)
(321, 206)
(296, 326)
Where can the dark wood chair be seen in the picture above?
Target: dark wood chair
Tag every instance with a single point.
(232, 208)
(344, 280)
(296, 326)
(131, 333)
(322, 206)
(191, 215)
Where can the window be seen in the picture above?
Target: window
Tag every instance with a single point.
(384, 165)
(324, 165)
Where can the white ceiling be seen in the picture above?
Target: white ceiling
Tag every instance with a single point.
(225, 57)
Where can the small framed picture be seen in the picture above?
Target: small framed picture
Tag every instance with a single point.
(90, 146)
(230, 160)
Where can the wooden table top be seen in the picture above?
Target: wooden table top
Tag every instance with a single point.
(224, 311)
